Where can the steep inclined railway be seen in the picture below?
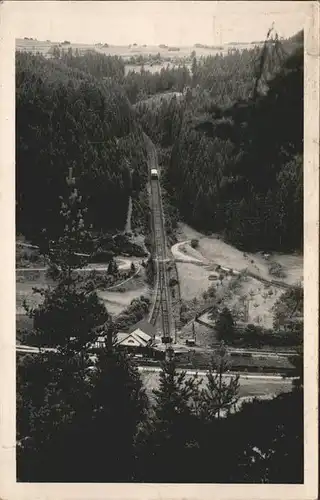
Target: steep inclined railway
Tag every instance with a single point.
(162, 301)
(160, 314)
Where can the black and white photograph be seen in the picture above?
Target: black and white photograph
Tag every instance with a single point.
(160, 251)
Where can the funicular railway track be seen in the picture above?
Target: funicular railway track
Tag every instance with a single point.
(161, 310)
(162, 295)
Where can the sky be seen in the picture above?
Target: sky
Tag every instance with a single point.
(152, 23)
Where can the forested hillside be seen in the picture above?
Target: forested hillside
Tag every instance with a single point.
(68, 118)
(234, 162)
(229, 139)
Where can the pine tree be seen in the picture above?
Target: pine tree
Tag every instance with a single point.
(169, 434)
(110, 267)
(51, 389)
(68, 411)
(225, 325)
(69, 315)
(221, 392)
(70, 403)
(68, 318)
(66, 253)
(105, 428)
(274, 455)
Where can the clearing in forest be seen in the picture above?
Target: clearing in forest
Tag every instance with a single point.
(216, 251)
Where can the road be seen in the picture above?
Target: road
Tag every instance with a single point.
(180, 256)
(251, 385)
(157, 369)
(254, 376)
(123, 264)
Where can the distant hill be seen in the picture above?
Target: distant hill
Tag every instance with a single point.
(242, 165)
(298, 37)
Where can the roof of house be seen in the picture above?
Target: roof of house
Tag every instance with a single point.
(141, 334)
(144, 326)
(134, 339)
(120, 336)
(131, 341)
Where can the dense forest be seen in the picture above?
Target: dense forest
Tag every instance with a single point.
(68, 118)
(234, 160)
(75, 424)
(229, 133)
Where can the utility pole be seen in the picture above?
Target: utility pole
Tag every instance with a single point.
(71, 181)
(194, 332)
(246, 309)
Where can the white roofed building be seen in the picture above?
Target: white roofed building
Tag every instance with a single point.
(139, 338)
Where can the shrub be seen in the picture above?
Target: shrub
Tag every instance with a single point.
(211, 292)
(225, 325)
(102, 255)
(275, 269)
(173, 282)
(194, 243)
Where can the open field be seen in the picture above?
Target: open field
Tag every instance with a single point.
(116, 301)
(239, 293)
(259, 298)
(205, 335)
(24, 291)
(153, 68)
(168, 56)
(127, 51)
(193, 280)
(216, 251)
(232, 292)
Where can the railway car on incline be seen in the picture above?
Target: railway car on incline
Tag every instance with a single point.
(154, 173)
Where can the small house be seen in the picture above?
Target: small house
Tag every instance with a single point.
(138, 339)
(145, 327)
(136, 342)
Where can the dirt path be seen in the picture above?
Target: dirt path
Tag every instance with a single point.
(179, 255)
(127, 228)
(123, 264)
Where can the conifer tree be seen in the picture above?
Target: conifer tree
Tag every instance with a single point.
(164, 443)
(73, 407)
(221, 391)
(69, 315)
(67, 252)
(225, 325)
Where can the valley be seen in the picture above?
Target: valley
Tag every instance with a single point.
(159, 261)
